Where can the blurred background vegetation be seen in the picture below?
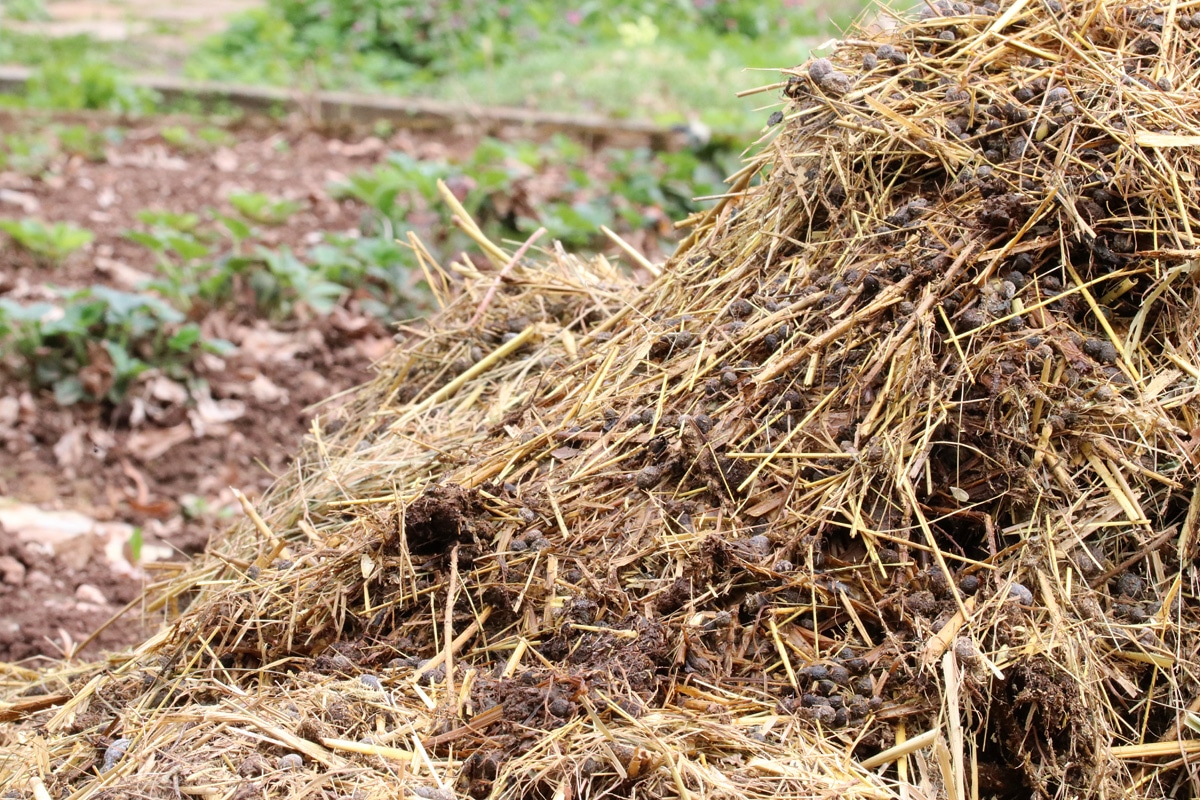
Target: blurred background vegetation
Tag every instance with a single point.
(671, 62)
(661, 60)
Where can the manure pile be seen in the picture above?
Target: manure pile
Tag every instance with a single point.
(886, 487)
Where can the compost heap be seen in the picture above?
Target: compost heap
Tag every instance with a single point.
(888, 481)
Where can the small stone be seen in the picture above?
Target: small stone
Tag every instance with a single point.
(289, 762)
(969, 584)
(1021, 594)
(371, 682)
(775, 118)
(431, 793)
(114, 753)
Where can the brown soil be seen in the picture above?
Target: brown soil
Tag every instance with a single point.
(139, 462)
(48, 607)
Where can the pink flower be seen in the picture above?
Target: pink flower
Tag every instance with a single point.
(574, 16)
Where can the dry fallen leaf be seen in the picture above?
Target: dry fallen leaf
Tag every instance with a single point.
(266, 392)
(225, 160)
(165, 390)
(70, 449)
(147, 445)
(26, 202)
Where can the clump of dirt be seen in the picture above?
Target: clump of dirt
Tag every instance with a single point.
(440, 519)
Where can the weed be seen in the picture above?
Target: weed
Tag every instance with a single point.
(48, 243)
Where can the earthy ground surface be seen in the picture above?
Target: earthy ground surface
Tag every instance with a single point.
(164, 459)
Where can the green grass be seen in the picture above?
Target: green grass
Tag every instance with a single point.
(665, 83)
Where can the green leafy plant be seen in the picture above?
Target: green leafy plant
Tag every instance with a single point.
(287, 281)
(382, 275)
(50, 243)
(184, 272)
(263, 208)
(118, 334)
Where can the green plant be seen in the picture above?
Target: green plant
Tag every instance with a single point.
(178, 137)
(82, 141)
(639, 189)
(666, 60)
(263, 208)
(50, 243)
(135, 545)
(200, 140)
(86, 82)
(184, 273)
(286, 281)
(216, 137)
(27, 154)
(196, 264)
(383, 275)
(118, 335)
(24, 10)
